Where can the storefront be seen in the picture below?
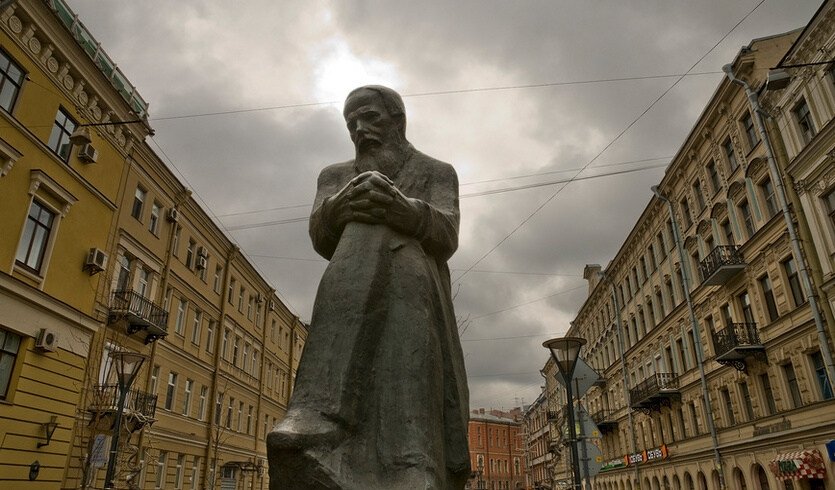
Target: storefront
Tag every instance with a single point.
(807, 465)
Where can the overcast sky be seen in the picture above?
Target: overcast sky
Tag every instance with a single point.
(197, 57)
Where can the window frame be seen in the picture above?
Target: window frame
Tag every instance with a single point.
(730, 154)
(802, 114)
(8, 383)
(63, 134)
(6, 78)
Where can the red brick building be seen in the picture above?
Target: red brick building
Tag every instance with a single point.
(497, 450)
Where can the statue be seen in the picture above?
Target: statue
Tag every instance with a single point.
(380, 398)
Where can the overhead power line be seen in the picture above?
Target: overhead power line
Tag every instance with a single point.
(609, 145)
(434, 93)
(498, 179)
(298, 219)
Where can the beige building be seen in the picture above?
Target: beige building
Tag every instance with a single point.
(759, 412)
(106, 251)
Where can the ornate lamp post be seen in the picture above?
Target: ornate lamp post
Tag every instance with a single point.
(565, 352)
(127, 365)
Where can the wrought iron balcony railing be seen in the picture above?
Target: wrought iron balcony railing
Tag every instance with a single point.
(721, 264)
(140, 312)
(737, 342)
(653, 389)
(604, 419)
(137, 403)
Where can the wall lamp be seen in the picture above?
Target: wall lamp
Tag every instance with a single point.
(49, 429)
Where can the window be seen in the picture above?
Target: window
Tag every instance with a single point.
(727, 319)
(767, 189)
(218, 408)
(694, 416)
(229, 412)
(713, 175)
(747, 218)
(671, 234)
(794, 282)
(59, 139)
(750, 130)
(791, 381)
(727, 233)
(210, 336)
(9, 345)
(195, 327)
(190, 253)
(745, 306)
(685, 212)
(160, 482)
(36, 233)
(201, 404)
(240, 415)
(143, 277)
(138, 202)
(231, 292)
(153, 225)
(820, 373)
(178, 471)
(154, 378)
(235, 348)
(768, 394)
(171, 391)
(225, 344)
(728, 147)
(729, 408)
(249, 307)
(768, 296)
(182, 307)
(662, 250)
(249, 420)
(195, 472)
(187, 397)
(651, 254)
(218, 274)
(241, 299)
(11, 79)
(700, 197)
(829, 199)
(746, 400)
(175, 242)
(804, 120)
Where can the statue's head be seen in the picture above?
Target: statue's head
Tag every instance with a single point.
(375, 116)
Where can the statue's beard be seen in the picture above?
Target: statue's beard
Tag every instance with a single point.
(386, 158)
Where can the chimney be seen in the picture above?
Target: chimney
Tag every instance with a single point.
(591, 273)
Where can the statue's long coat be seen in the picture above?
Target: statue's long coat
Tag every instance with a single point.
(383, 358)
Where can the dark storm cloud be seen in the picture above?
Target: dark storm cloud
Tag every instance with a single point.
(196, 57)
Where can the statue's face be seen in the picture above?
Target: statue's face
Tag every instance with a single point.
(368, 120)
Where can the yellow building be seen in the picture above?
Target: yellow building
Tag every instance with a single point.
(106, 251)
(759, 411)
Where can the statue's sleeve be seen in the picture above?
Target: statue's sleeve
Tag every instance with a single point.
(322, 232)
(441, 215)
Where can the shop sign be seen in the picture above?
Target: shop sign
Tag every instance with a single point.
(614, 464)
(771, 429)
(648, 455)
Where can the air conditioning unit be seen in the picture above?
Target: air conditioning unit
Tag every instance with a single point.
(173, 215)
(88, 154)
(96, 261)
(47, 340)
(202, 262)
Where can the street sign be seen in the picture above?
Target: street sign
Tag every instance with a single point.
(98, 454)
(584, 378)
(591, 459)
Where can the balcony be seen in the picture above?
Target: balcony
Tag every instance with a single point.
(139, 410)
(141, 314)
(721, 265)
(551, 415)
(737, 343)
(660, 389)
(605, 420)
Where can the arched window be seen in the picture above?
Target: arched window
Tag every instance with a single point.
(739, 480)
(762, 478)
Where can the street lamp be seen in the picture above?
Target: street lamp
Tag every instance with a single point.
(565, 352)
(127, 365)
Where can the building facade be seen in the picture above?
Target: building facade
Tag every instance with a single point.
(497, 450)
(106, 251)
(759, 410)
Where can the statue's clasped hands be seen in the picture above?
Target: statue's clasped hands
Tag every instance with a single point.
(372, 198)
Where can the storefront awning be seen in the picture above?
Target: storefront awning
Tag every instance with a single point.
(799, 464)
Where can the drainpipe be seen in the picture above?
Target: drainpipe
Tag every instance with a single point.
(782, 200)
(685, 276)
(622, 349)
